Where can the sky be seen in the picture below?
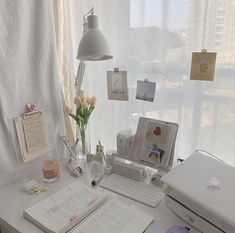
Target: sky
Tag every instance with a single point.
(150, 13)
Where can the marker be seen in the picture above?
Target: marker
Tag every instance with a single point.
(96, 180)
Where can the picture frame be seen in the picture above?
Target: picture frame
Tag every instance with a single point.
(154, 143)
(150, 150)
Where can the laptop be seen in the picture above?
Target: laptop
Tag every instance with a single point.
(202, 190)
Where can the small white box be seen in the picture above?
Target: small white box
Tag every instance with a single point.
(124, 141)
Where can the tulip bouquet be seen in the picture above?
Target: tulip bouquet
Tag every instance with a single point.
(84, 107)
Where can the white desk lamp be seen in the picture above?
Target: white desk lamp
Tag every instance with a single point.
(92, 47)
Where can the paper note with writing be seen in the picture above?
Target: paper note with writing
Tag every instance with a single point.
(203, 66)
(32, 135)
(34, 132)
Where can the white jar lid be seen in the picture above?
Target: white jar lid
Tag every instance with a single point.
(108, 170)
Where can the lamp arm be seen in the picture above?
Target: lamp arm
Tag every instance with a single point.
(80, 75)
(81, 66)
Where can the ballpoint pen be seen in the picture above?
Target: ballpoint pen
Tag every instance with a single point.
(102, 152)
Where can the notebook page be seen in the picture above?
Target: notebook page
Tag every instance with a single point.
(115, 217)
(66, 208)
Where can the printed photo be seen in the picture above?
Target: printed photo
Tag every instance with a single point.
(203, 66)
(145, 90)
(155, 141)
(117, 85)
(156, 133)
(153, 154)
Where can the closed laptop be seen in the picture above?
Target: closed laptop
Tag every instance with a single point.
(206, 186)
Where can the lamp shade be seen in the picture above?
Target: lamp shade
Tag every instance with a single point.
(93, 45)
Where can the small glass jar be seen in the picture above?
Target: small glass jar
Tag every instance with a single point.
(50, 170)
(109, 158)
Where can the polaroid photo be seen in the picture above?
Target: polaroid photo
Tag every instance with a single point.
(156, 132)
(203, 66)
(154, 146)
(153, 154)
(145, 90)
(117, 85)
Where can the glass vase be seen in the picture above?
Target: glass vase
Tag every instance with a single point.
(83, 146)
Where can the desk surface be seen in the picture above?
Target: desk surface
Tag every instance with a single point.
(13, 200)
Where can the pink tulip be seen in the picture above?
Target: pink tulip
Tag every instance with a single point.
(67, 110)
(93, 100)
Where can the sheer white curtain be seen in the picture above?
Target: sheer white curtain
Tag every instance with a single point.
(154, 39)
(62, 32)
(28, 74)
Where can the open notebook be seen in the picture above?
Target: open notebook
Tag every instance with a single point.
(81, 209)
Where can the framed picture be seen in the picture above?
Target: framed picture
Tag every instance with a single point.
(154, 143)
(154, 146)
(145, 90)
(203, 66)
(117, 85)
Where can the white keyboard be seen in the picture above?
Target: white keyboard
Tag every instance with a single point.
(147, 194)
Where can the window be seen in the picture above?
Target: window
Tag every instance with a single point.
(162, 52)
(154, 39)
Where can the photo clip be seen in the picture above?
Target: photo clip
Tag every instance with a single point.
(30, 109)
(116, 69)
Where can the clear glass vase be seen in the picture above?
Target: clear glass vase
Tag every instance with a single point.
(83, 146)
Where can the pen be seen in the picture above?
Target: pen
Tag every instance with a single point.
(102, 153)
(68, 145)
(96, 180)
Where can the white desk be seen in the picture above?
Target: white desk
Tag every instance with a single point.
(13, 201)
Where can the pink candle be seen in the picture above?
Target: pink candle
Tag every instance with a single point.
(50, 170)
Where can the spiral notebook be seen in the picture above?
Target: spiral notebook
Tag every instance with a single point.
(81, 209)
